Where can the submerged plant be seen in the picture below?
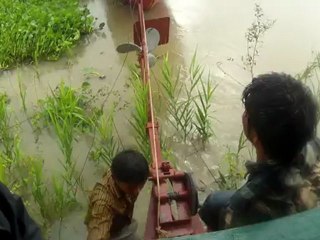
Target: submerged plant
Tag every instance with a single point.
(107, 146)
(254, 36)
(235, 167)
(23, 94)
(65, 104)
(40, 29)
(140, 113)
(203, 114)
(310, 76)
(188, 102)
(67, 111)
(6, 136)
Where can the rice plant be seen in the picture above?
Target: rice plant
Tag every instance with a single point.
(40, 29)
(40, 193)
(254, 36)
(67, 111)
(107, 146)
(6, 136)
(235, 172)
(65, 103)
(140, 113)
(23, 94)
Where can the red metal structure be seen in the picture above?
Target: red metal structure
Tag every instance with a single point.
(147, 4)
(173, 202)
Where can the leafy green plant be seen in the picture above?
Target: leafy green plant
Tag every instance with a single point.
(67, 111)
(235, 167)
(310, 76)
(40, 29)
(65, 103)
(107, 146)
(140, 114)
(6, 136)
(23, 94)
(254, 36)
(203, 124)
(188, 105)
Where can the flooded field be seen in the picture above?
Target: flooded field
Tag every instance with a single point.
(215, 28)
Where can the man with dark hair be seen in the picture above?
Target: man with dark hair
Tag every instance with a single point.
(279, 119)
(112, 200)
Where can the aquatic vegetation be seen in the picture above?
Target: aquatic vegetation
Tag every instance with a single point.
(202, 101)
(188, 102)
(310, 76)
(234, 174)
(140, 113)
(107, 146)
(23, 94)
(40, 29)
(68, 111)
(6, 136)
(254, 37)
(203, 111)
(65, 106)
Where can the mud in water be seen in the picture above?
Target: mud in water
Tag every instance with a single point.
(215, 28)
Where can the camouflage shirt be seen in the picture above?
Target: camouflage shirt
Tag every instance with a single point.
(272, 191)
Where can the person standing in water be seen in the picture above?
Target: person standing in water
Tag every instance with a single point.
(111, 202)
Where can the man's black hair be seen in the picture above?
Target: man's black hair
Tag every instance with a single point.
(130, 166)
(283, 112)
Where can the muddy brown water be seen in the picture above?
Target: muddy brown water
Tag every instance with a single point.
(215, 28)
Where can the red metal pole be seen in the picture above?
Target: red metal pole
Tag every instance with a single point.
(161, 219)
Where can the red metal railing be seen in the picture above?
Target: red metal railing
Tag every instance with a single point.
(169, 185)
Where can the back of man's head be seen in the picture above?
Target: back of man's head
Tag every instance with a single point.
(130, 166)
(283, 112)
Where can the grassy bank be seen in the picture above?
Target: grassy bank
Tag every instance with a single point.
(40, 29)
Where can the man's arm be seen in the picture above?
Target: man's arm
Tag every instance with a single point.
(101, 216)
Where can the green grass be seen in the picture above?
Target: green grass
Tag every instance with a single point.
(232, 177)
(188, 102)
(311, 76)
(40, 29)
(107, 145)
(203, 110)
(139, 116)
(6, 136)
(64, 106)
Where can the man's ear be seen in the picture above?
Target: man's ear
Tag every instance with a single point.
(256, 142)
(254, 138)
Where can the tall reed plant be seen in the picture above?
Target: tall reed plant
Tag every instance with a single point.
(107, 146)
(233, 176)
(310, 76)
(189, 101)
(139, 116)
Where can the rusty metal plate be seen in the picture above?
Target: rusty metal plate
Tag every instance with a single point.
(161, 24)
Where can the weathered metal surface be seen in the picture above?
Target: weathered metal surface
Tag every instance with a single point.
(301, 226)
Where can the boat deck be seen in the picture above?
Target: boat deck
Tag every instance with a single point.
(301, 226)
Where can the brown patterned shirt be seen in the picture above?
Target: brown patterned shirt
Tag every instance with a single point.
(109, 209)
